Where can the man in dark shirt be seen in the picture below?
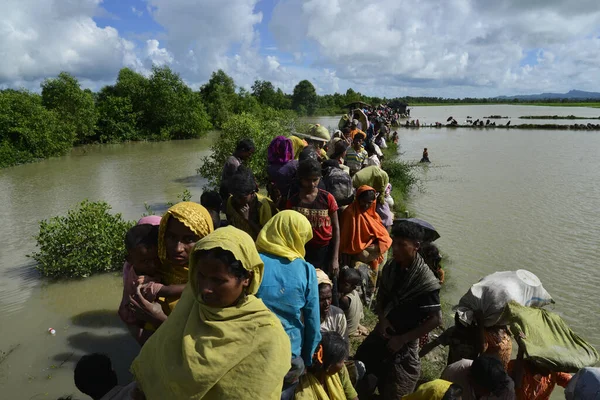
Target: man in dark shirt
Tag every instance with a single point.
(408, 306)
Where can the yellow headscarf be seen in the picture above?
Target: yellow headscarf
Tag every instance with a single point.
(310, 388)
(285, 235)
(297, 144)
(195, 217)
(208, 353)
(434, 390)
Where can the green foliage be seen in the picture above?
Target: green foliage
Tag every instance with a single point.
(401, 176)
(220, 97)
(117, 121)
(262, 128)
(87, 241)
(28, 131)
(304, 99)
(74, 106)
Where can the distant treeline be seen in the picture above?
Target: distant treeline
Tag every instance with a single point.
(156, 107)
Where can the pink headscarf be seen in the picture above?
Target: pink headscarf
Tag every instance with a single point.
(130, 279)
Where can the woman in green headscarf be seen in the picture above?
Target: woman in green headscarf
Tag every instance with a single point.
(220, 342)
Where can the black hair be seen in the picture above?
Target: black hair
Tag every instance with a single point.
(211, 200)
(330, 164)
(488, 372)
(335, 349)
(309, 169)
(370, 148)
(308, 153)
(358, 138)
(407, 230)
(234, 266)
(94, 375)
(145, 235)
(454, 392)
(339, 148)
(242, 183)
(346, 130)
(429, 251)
(350, 275)
(368, 195)
(245, 145)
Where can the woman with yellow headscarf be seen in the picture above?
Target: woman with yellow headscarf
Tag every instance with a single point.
(289, 288)
(180, 228)
(221, 341)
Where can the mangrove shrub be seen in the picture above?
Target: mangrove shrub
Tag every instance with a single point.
(28, 131)
(261, 128)
(89, 239)
(74, 106)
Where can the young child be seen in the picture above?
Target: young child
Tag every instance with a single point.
(141, 243)
(350, 302)
(246, 209)
(328, 376)
(95, 377)
(213, 203)
(320, 208)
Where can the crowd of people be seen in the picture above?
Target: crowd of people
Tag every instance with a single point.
(263, 304)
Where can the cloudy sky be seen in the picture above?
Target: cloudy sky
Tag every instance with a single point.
(450, 48)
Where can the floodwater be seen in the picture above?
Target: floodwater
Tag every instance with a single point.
(82, 312)
(501, 200)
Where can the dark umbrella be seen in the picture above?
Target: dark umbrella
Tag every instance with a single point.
(449, 119)
(431, 234)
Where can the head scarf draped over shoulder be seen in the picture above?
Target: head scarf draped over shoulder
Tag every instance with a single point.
(285, 235)
(434, 390)
(195, 217)
(208, 353)
(280, 150)
(362, 228)
(372, 176)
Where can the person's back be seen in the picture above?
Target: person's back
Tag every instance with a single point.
(289, 289)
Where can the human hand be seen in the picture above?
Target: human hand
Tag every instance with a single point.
(145, 310)
(335, 267)
(383, 326)
(245, 211)
(396, 343)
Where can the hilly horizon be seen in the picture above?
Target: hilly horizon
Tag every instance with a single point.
(571, 95)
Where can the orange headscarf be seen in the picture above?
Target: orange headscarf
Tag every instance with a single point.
(360, 229)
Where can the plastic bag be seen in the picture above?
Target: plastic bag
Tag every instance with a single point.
(491, 295)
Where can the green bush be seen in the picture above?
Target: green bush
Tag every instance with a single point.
(261, 128)
(87, 241)
(28, 131)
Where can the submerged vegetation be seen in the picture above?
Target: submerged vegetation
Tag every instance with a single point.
(88, 240)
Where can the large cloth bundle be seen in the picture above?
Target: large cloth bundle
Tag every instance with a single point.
(344, 122)
(491, 295)
(547, 340)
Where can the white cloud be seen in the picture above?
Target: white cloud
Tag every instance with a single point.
(137, 12)
(381, 47)
(41, 38)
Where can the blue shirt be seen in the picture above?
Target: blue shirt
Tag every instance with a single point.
(290, 290)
